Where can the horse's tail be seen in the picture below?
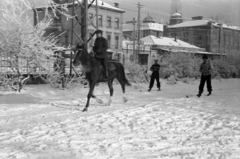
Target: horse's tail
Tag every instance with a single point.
(121, 74)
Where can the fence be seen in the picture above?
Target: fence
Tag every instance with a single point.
(25, 68)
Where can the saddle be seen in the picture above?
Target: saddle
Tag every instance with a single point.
(111, 67)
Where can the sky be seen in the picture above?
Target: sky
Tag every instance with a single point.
(224, 10)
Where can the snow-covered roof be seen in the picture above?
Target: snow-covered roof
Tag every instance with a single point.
(191, 23)
(231, 27)
(167, 42)
(144, 26)
(100, 4)
(164, 43)
(203, 22)
(176, 14)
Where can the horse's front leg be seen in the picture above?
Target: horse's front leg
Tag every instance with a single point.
(90, 94)
(111, 91)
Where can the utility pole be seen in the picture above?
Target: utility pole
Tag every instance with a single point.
(139, 27)
(134, 45)
(97, 14)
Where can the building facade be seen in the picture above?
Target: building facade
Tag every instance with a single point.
(214, 36)
(110, 21)
(148, 27)
(153, 47)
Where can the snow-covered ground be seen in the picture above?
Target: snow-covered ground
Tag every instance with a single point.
(41, 123)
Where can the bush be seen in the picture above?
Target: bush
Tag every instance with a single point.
(187, 66)
(137, 73)
(180, 65)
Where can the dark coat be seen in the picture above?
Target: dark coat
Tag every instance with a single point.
(100, 47)
(155, 69)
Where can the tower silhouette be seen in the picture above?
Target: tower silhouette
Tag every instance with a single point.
(176, 6)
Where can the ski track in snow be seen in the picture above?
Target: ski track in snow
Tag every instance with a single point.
(166, 128)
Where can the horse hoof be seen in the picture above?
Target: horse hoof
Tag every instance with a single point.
(125, 100)
(84, 110)
(100, 101)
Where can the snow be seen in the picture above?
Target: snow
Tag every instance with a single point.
(144, 26)
(153, 124)
(100, 4)
(165, 41)
(204, 22)
(191, 23)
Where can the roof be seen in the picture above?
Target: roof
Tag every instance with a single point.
(176, 14)
(100, 4)
(165, 41)
(144, 26)
(204, 22)
(148, 19)
(191, 23)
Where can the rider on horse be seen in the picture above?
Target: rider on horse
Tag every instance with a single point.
(100, 49)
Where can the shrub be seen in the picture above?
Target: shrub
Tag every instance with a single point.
(180, 65)
(137, 73)
(224, 68)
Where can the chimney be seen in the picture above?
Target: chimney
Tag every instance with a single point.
(116, 5)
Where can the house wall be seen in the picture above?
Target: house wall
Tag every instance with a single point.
(215, 39)
(112, 33)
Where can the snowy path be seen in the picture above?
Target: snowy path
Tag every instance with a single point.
(165, 128)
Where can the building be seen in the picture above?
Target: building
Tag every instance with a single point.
(175, 18)
(110, 20)
(153, 47)
(215, 37)
(148, 27)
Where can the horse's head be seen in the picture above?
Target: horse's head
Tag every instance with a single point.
(76, 61)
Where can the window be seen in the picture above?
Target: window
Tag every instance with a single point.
(90, 16)
(116, 23)
(109, 40)
(109, 22)
(91, 42)
(100, 20)
(116, 41)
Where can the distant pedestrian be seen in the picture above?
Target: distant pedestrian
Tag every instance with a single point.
(206, 69)
(155, 75)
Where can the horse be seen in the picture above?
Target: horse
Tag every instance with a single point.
(94, 71)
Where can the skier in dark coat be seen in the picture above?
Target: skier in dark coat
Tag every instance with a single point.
(206, 71)
(100, 49)
(155, 75)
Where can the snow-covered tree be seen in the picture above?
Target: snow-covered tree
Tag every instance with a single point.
(24, 49)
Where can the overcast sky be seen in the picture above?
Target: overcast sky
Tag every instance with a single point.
(225, 10)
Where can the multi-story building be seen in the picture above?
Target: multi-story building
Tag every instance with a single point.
(148, 27)
(215, 37)
(110, 21)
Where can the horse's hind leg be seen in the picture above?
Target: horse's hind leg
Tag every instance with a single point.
(123, 89)
(111, 91)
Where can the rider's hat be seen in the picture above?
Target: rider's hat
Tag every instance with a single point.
(98, 31)
(204, 56)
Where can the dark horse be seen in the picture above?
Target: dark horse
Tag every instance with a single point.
(94, 72)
